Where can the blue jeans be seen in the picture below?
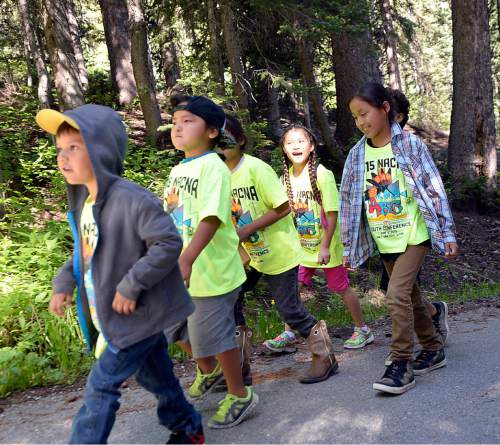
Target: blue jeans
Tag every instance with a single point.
(153, 370)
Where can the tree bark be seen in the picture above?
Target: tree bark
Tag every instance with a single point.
(117, 32)
(234, 54)
(274, 110)
(143, 70)
(77, 45)
(354, 63)
(471, 150)
(390, 45)
(313, 92)
(215, 60)
(27, 12)
(62, 55)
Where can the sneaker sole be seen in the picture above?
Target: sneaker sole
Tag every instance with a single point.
(244, 414)
(392, 389)
(208, 391)
(368, 341)
(430, 368)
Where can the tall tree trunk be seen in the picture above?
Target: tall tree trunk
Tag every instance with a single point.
(320, 116)
(390, 45)
(62, 55)
(471, 150)
(27, 12)
(143, 69)
(354, 63)
(117, 32)
(274, 110)
(77, 44)
(234, 54)
(215, 59)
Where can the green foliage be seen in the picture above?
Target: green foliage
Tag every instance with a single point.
(100, 88)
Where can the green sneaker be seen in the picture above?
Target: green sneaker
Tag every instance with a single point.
(359, 338)
(281, 344)
(204, 383)
(233, 410)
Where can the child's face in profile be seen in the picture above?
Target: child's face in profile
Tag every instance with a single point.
(190, 132)
(73, 158)
(297, 146)
(370, 120)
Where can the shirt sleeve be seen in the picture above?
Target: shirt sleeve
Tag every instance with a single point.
(215, 192)
(328, 189)
(270, 188)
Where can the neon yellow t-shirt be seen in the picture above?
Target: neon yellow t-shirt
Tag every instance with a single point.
(393, 215)
(308, 216)
(196, 189)
(257, 189)
(89, 236)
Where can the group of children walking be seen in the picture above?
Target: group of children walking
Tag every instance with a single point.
(145, 279)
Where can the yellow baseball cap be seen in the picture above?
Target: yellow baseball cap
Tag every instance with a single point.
(50, 120)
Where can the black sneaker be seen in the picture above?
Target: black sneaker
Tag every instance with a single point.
(440, 319)
(427, 361)
(182, 437)
(397, 379)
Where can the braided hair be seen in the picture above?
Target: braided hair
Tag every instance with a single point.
(312, 165)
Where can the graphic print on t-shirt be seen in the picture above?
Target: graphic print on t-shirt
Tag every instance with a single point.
(177, 213)
(256, 244)
(308, 224)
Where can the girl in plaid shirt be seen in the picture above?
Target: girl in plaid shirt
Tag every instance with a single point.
(405, 212)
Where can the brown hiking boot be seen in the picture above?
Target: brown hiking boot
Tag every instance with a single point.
(323, 363)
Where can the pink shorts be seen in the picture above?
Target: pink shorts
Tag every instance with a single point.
(336, 277)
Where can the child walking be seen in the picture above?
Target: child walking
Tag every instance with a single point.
(313, 197)
(437, 309)
(198, 197)
(405, 212)
(124, 267)
(261, 213)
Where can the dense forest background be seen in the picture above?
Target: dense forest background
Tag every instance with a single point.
(269, 62)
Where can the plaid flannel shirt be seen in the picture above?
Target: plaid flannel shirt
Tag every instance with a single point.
(423, 179)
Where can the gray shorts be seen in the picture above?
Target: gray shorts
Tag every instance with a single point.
(210, 329)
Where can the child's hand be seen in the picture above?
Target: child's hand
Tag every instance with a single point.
(60, 301)
(123, 305)
(324, 255)
(451, 251)
(346, 263)
(186, 267)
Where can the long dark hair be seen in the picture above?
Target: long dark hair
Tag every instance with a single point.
(312, 164)
(376, 94)
(234, 127)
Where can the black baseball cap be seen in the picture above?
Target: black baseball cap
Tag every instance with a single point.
(205, 108)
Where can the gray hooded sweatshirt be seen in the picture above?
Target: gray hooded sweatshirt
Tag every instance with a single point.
(137, 248)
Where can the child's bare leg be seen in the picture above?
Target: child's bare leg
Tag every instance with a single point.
(351, 300)
(206, 364)
(231, 368)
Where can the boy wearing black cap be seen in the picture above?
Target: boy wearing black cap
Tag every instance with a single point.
(198, 197)
(124, 267)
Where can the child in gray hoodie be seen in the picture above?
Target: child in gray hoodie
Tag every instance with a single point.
(124, 267)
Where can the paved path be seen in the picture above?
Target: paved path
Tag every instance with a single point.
(459, 403)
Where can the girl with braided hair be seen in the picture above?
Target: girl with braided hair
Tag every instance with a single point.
(313, 198)
(261, 214)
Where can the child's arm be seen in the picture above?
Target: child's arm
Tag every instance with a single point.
(324, 248)
(435, 190)
(164, 246)
(345, 204)
(63, 287)
(265, 220)
(203, 234)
